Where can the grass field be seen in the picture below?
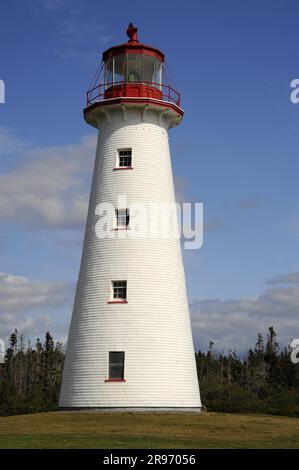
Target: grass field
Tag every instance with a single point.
(127, 431)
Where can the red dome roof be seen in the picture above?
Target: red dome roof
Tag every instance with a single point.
(133, 46)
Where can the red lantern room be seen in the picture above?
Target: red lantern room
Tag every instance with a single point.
(134, 72)
(133, 69)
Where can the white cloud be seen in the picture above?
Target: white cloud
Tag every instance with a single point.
(50, 186)
(25, 305)
(234, 324)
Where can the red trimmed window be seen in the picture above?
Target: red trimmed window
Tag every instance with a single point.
(124, 158)
(116, 366)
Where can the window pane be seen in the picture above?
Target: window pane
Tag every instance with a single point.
(116, 372)
(148, 68)
(134, 67)
(119, 68)
(158, 72)
(124, 161)
(116, 357)
(109, 71)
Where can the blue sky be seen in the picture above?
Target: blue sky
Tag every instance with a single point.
(236, 150)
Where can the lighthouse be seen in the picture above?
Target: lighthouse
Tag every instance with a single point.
(130, 342)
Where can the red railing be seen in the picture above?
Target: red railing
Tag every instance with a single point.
(104, 91)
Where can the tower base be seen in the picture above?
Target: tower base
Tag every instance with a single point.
(132, 409)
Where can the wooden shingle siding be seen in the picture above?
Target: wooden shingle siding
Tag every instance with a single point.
(153, 327)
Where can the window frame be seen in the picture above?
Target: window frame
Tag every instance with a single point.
(125, 217)
(117, 364)
(115, 299)
(118, 157)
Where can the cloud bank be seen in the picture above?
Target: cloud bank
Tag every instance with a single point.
(234, 324)
(49, 188)
(29, 306)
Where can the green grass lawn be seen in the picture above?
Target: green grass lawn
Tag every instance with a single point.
(61, 430)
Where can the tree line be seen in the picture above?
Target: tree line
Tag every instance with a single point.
(263, 381)
(30, 377)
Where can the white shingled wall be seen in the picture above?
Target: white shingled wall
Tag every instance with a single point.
(153, 328)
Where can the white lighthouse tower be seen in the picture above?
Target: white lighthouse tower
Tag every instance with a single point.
(130, 343)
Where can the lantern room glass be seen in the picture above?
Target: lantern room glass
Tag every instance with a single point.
(130, 68)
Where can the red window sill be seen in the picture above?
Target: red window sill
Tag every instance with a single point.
(117, 302)
(115, 380)
(123, 168)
